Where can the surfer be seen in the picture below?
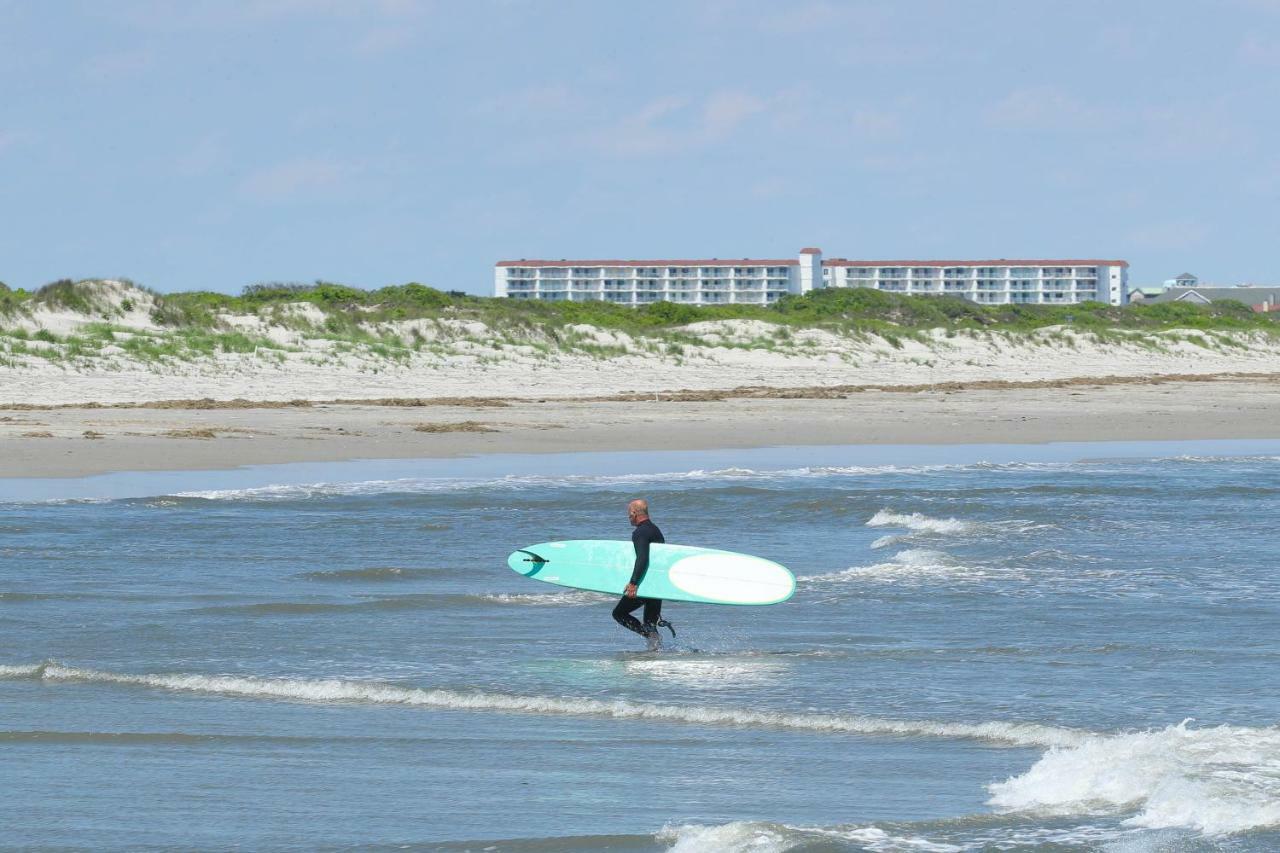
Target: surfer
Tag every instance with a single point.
(645, 534)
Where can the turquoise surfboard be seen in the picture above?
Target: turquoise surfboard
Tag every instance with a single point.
(676, 572)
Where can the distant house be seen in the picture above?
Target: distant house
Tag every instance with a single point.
(1184, 280)
(1145, 294)
(1257, 298)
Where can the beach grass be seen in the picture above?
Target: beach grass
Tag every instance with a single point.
(325, 323)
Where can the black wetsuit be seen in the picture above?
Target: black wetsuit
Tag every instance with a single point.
(645, 534)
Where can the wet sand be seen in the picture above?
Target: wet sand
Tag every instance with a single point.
(73, 441)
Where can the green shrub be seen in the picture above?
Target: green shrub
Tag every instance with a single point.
(66, 294)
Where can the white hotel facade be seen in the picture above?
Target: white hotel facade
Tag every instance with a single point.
(757, 281)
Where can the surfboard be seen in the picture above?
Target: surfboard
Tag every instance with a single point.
(676, 572)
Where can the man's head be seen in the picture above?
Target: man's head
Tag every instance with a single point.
(638, 511)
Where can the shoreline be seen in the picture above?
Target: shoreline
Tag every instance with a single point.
(78, 440)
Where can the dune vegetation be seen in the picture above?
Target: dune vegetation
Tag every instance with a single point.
(75, 322)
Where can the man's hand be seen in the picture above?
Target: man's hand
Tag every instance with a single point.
(630, 591)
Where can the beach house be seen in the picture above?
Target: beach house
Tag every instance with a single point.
(1258, 297)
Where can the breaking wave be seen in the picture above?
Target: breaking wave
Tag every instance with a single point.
(919, 525)
(1218, 780)
(911, 564)
(971, 833)
(344, 691)
(916, 521)
(762, 837)
(1214, 781)
(420, 485)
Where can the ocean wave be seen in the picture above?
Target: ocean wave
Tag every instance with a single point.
(709, 672)
(341, 691)
(911, 564)
(763, 837)
(971, 833)
(916, 521)
(923, 526)
(41, 596)
(418, 485)
(371, 573)
(1218, 780)
(174, 738)
(416, 601)
(412, 485)
(574, 598)
(1198, 459)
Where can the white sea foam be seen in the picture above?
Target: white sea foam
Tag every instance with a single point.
(343, 691)
(942, 836)
(709, 673)
(761, 837)
(1217, 780)
(1212, 780)
(412, 485)
(910, 564)
(920, 526)
(422, 485)
(917, 522)
(1217, 459)
(576, 598)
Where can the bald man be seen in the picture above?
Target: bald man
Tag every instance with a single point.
(645, 534)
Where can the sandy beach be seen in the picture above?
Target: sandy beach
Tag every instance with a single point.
(72, 441)
(135, 400)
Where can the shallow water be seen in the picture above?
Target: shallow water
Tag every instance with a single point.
(980, 655)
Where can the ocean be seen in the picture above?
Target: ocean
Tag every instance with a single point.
(1068, 647)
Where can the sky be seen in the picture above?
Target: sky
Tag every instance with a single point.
(213, 144)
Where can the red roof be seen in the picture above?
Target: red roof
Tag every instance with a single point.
(705, 262)
(1002, 262)
(810, 251)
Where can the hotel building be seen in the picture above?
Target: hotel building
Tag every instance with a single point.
(755, 281)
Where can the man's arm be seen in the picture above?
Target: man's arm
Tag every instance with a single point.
(641, 543)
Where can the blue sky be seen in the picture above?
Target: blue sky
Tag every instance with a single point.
(217, 144)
